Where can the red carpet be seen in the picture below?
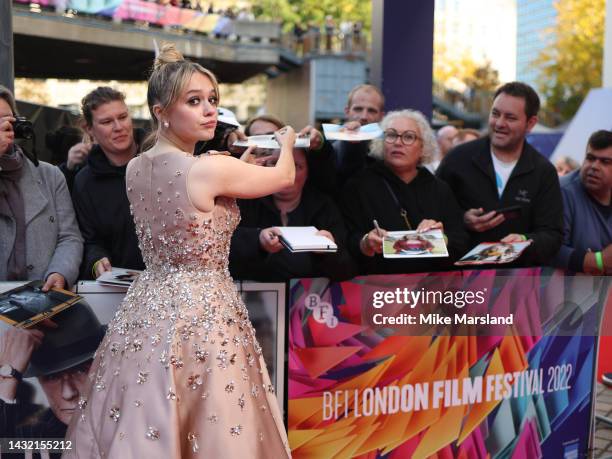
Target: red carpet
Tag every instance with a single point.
(605, 342)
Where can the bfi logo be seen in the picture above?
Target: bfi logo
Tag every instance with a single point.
(322, 312)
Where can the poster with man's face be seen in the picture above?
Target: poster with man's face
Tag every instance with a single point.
(47, 402)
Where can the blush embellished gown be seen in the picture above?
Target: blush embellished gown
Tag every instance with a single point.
(179, 373)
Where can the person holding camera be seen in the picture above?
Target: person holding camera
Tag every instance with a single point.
(39, 236)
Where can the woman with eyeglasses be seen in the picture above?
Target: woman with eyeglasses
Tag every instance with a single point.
(397, 194)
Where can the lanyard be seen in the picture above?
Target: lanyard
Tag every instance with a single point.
(402, 211)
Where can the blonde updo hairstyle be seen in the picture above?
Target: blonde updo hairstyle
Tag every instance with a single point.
(430, 146)
(171, 74)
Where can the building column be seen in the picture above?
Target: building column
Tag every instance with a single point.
(6, 45)
(402, 53)
(607, 55)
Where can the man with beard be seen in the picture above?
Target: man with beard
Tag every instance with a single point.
(508, 191)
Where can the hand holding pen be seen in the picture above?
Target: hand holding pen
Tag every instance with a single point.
(269, 240)
(371, 242)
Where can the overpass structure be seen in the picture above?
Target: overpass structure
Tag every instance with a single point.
(50, 45)
(94, 46)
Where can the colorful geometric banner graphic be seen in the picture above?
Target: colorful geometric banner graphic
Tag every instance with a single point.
(360, 392)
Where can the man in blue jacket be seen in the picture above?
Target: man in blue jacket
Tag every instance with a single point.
(501, 171)
(587, 214)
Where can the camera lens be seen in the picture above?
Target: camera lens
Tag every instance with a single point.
(23, 128)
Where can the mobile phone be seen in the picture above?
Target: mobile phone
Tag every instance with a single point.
(510, 212)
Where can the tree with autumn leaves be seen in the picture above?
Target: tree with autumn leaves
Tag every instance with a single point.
(302, 12)
(572, 64)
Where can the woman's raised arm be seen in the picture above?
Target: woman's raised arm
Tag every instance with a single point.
(219, 175)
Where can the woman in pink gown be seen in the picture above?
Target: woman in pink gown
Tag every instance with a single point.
(180, 373)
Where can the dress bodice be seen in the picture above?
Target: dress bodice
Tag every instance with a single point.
(172, 233)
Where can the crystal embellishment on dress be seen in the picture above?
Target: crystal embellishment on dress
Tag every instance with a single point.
(142, 377)
(115, 413)
(194, 381)
(236, 430)
(229, 388)
(100, 386)
(222, 358)
(200, 354)
(136, 345)
(152, 433)
(193, 439)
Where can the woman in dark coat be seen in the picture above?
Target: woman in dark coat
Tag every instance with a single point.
(400, 195)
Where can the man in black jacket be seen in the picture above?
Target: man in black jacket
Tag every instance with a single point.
(99, 195)
(502, 170)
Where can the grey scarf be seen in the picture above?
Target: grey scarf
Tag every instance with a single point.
(11, 205)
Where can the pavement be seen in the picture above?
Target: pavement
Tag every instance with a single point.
(602, 442)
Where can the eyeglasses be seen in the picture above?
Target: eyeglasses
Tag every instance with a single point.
(408, 137)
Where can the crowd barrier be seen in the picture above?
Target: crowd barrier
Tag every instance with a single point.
(439, 388)
(355, 386)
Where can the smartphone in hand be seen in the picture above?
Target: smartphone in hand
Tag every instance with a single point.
(510, 212)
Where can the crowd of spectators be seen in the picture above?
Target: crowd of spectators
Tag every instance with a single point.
(221, 24)
(310, 38)
(326, 38)
(410, 179)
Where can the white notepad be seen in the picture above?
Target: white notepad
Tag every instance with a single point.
(304, 239)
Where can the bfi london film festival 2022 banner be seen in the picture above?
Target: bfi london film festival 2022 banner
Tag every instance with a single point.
(466, 364)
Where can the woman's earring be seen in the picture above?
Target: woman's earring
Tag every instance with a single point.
(166, 124)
